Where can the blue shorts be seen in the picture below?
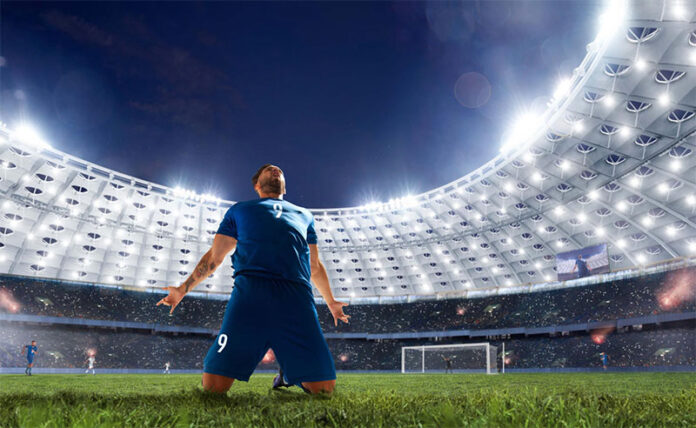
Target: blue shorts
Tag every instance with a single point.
(30, 360)
(265, 313)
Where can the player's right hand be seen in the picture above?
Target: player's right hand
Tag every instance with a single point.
(174, 297)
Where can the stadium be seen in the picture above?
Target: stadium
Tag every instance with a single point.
(553, 285)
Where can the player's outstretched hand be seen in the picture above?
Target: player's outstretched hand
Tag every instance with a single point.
(336, 309)
(173, 299)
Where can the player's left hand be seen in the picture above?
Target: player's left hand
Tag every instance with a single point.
(173, 299)
(336, 309)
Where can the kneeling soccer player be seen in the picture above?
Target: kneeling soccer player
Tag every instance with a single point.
(275, 261)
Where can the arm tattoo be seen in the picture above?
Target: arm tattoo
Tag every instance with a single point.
(188, 283)
(202, 270)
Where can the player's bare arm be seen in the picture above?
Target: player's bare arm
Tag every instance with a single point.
(321, 280)
(222, 245)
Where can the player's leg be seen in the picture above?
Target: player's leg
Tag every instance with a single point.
(325, 386)
(242, 341)
(298, 341)
(216, 383)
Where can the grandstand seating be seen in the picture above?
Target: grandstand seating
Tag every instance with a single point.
(626, 298)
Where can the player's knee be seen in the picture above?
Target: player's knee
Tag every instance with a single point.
(215, 383)
(325, 387)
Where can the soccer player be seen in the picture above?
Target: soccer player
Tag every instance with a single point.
(90, 364)
(166, 368)
(605, 360)
(31, 352)
(275, 262)
(581, 267)
(448, 363)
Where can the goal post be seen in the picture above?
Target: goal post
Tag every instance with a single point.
(459, 358)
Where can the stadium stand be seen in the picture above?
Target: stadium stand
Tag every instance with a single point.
(621, 299)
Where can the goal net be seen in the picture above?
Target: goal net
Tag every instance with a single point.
(462, 358)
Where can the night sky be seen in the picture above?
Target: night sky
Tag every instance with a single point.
(356, 101)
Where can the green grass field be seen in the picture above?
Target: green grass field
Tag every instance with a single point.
(379, 400)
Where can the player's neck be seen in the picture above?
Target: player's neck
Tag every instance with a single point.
(270, 195)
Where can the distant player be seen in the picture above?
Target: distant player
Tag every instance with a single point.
(90, 364)
(166, 368)
(275, 262)
(581, 267)
(605, 360)
(448, 364)
(31, 352)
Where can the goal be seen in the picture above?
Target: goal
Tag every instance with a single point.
(461, 358)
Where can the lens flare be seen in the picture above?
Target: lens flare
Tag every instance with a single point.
(91, 352)
(680, 287)
(599, 336)
(8, 302)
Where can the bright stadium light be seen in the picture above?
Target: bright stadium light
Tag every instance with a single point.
(640, 258)
(691, 200)
(675, 165)
(28, 135)
(523, 129)
(621, 206)
(611, 18)
(563, 88)
(600, 231)
(640, 64)
(620, 243)
(663, 99)
(609, 101)
(624, 131)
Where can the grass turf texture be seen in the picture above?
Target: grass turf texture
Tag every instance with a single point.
(374, 400)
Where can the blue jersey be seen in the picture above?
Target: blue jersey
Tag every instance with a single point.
(31, 350)
(273, 238)
(582, 268)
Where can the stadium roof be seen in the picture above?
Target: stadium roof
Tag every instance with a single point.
(609, 161)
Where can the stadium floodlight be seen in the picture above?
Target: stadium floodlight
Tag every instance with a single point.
(663, 187)
(621, 206)
(460, 358)
(28, 135)
(675, 165)
(594, 194)
(609, 100)
(663, 99)
(611, 18)
(522, 131)
(640, 258)
(563, 88)
(600, 231)
(624, 131)
(691, 200)
(640, 64)
(634, 181)
(620, 243)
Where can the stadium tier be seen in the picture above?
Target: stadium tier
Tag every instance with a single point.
(635, 297)
(607, 162)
